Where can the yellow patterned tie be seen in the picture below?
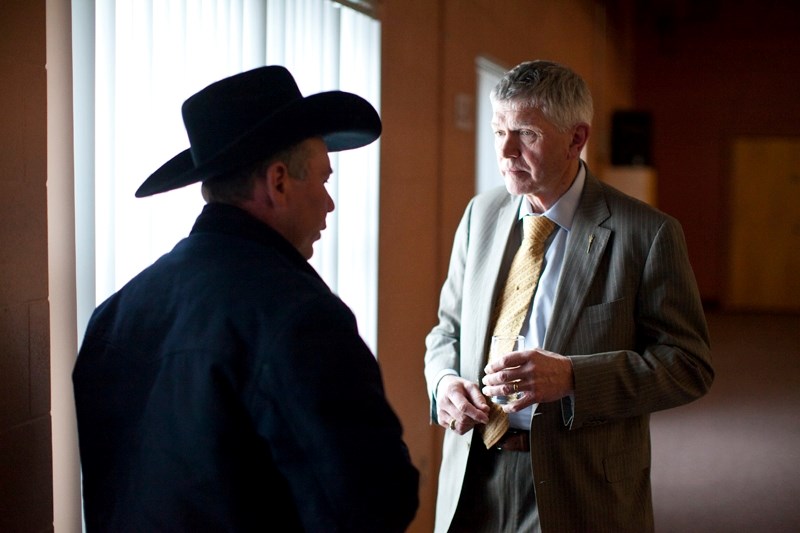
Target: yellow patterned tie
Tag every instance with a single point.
(512, 306)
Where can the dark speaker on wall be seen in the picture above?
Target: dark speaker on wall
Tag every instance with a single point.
(631, 138)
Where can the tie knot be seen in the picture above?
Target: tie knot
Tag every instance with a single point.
(537, 228)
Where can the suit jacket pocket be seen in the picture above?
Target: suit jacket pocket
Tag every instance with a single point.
(605, 327)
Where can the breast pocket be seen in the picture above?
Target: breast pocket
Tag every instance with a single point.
(606, 327)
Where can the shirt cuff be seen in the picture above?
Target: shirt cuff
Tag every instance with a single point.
(568, 409)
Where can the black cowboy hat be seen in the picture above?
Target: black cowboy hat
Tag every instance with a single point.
(249, 116)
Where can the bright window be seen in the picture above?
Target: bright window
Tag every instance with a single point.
(135, 63)
(486, 175)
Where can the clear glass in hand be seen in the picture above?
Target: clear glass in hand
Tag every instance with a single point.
(501, 345)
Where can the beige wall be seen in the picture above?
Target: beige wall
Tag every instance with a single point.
(25, 449)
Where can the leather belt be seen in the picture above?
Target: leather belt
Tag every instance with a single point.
(514, 440)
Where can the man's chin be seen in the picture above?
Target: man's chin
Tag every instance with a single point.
(515, 187)
(307, 251)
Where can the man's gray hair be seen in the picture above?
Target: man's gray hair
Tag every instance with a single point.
(557, 91)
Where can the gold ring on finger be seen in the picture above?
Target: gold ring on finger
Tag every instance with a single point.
(453, 424)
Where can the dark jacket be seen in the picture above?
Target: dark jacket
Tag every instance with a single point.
(226, 388)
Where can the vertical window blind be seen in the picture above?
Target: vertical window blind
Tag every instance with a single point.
(143, 59)
(486, 175)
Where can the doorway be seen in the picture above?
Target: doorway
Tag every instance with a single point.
(764, 240)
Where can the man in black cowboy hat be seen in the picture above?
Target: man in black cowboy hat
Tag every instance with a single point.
(215, 391)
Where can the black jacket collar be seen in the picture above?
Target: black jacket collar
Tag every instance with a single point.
(231, 220)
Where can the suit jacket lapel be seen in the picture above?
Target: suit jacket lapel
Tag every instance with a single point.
(485, 286)
(585, 247)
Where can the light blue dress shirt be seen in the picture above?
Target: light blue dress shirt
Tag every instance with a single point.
(535, 326)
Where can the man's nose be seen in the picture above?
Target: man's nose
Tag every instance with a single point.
(509, 146)
(331, 204)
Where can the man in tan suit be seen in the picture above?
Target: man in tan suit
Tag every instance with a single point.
(615, 331)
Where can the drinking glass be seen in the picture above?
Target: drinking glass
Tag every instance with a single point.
(501, 345)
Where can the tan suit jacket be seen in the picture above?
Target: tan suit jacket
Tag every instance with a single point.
(628, 313)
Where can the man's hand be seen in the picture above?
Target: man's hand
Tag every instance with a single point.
(541, 376)
(460, 404)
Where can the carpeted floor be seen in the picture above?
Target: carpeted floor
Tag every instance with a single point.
(730, 462)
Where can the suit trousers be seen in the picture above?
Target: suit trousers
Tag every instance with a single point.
(498, 494)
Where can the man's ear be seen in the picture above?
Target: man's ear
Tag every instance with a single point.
(580, 134)
(276, 177)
